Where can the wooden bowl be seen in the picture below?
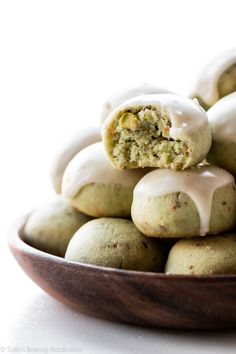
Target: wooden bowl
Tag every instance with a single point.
(143, 298)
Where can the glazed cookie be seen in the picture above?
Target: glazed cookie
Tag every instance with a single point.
(119, 98)
(211, 255)
(222, 119)
(217, 79)
(95, 187)
(50, 227)
(115, 243)
(195, 202)
(165, 131)
(71, 147)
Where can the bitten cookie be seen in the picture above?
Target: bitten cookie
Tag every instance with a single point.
(94, 187)
(50, 227)
(115, 243)
(165, 131)
(195, 202)
(217, 79)
(198, 256)
(222, 119)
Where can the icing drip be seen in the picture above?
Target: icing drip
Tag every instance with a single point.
(91, 166)
(199, 183)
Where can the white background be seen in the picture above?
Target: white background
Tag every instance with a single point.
(59, 60)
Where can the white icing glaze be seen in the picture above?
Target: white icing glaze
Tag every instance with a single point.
(206, 87)
(185, 114)
(91, 166)
(199, 183)
(222, 118)
(69, 149)
(119, 98)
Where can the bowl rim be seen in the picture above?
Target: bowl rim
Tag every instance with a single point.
(16, 243)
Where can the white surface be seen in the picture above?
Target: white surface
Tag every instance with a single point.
(59, 60)
(46, 324)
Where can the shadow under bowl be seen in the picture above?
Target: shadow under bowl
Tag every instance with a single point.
(142, 298)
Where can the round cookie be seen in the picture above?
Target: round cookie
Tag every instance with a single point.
(50, 227)
(115, 243)
(68, 150)
(203, 256)
(195, 202)
(217, 79)
(164, 131)
(96, 188)
(120, 97)
(222, 119)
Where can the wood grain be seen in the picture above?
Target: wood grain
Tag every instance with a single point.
(150, 299)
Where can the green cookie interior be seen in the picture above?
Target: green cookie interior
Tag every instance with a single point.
(140, 137)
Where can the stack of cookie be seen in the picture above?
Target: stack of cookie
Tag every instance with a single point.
(146, 179)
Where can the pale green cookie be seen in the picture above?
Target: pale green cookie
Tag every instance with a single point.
(94, 187)
(203, 256)
(195, 202)
(222, 119)
(165, 131)
(103, 199)
(115, 243)
(50, 227)
(217, 79)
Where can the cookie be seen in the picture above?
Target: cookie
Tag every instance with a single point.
(217, 79)
(222, 119)
(164, 131)
(195, 202)
(203, 256)
(50, 227)
(95, 188)
(116, 243)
